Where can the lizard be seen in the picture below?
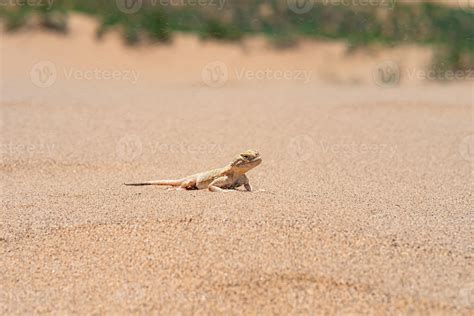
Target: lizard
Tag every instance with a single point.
(225, 179)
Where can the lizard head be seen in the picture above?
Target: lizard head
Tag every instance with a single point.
(247, 160)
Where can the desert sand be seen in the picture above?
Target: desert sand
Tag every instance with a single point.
(362, 205)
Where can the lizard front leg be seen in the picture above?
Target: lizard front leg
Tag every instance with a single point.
(244, 180)
(246, 183)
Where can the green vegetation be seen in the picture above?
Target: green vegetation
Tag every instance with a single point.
(450, 29)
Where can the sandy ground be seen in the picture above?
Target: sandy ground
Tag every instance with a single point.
(363, 203)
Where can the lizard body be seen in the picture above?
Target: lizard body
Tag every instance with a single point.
(227, 178)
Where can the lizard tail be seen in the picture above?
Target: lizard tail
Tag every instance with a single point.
(158, 182)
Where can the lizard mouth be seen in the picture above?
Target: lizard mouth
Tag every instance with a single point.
(255, 159)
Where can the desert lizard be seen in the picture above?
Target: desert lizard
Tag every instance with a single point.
(227, 178)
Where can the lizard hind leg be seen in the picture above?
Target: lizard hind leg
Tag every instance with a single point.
(220, 185)
(188, 185)
(176, 189)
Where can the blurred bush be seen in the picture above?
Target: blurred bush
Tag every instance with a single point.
(451, 29)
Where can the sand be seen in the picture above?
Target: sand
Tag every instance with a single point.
(362, 205)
